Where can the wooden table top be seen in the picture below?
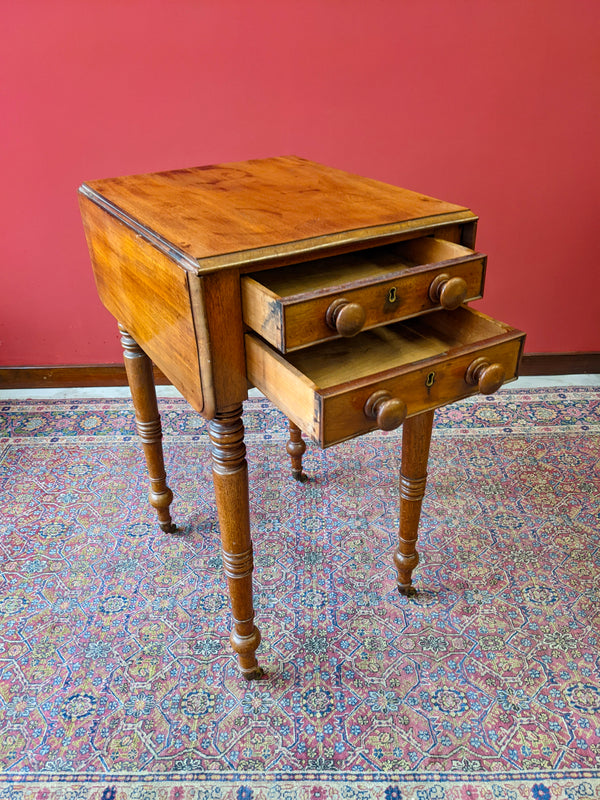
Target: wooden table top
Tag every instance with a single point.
(230, 214)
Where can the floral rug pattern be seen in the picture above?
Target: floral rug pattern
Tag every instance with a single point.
(114, 656)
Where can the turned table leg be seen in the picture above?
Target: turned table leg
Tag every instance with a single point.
(296, 447)
(147, 420)
(416, 436)
(230, 477)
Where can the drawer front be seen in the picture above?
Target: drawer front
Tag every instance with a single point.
(441, 381)
(370, 289)
(432, 373)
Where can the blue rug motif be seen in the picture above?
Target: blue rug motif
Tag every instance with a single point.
(116, 676)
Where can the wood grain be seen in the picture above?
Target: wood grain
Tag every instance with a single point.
(416, 438)
(149, 295)
(289, 306)
(286, 387)
(228, 214)
(169, 251)
(222, 315)
(341, 411)
(324, 389)
(263, 312)
(230, 479)
(295, 448)
(147, 421)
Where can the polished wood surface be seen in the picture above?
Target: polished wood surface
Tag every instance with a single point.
(147, 420)
(149, 295)
(295, 306)
(449, 292)
(422, 363)
(488, 376)
(296, 447)
(345, 318)
(230, 478)
(227, 214)
(338, 296)
(416, 438)
(387, 411)
(217, 313)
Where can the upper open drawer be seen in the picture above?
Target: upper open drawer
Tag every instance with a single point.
(301, 304)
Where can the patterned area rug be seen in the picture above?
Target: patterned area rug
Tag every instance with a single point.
(116, 675)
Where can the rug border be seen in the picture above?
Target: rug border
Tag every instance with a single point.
(297, 777)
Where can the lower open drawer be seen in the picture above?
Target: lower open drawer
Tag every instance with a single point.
(346, 387)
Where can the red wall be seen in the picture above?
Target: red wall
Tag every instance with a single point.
(494, 105)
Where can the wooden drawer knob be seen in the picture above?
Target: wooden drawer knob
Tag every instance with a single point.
(487, 377)
(344, 317)
(387, 410)
(449, 292)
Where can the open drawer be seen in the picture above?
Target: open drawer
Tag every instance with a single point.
(301, 304)
(340, 389)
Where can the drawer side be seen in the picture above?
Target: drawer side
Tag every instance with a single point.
(286, 387)
(262, 311)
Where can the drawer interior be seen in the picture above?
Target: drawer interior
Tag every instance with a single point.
(336, 272)
(298, 305)
(394, 346)
(424, 362)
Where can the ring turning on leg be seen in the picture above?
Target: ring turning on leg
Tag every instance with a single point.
(416, 437)
(295, 448)
(230, 478)
(147, 419)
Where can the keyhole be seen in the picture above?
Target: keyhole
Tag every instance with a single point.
(392, 296)
(430, 379)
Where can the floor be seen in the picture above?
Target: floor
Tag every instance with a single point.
(170, 391)
(486, 669)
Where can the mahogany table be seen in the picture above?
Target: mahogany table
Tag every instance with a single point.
(339, 297)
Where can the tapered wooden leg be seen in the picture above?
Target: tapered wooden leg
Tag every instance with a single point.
(416, 437)
(230, 477)
(147, 420)
(296, 447)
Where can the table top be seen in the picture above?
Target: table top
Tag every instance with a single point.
(227, 215)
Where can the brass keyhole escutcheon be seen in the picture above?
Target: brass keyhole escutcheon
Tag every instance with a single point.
(430, 379)
(392, 295)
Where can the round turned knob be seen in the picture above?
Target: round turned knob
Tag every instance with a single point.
(344, 317)
(449, 292)
(487, 377)
(388, 411)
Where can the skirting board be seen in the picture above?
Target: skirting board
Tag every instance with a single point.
(37, 377)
